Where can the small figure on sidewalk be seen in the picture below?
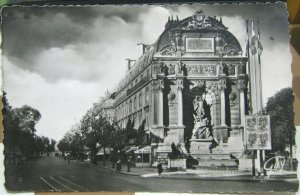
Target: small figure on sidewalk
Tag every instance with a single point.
(118, 165)
(128, 165)
(159, 167)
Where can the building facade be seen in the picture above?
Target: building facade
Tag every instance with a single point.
(188, 88)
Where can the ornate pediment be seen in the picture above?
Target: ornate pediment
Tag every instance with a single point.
(200, 21)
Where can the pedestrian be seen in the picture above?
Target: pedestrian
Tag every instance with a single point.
(159, 167)
(118, 168)
(128, 165)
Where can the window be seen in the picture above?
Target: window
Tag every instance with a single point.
(130, 106)
(146, 95)
(134, 103)
(140, 100)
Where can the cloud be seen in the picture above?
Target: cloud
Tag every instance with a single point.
(62, 49)
(60, 104)
(276, 70)
(153, 22)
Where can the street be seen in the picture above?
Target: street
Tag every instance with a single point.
(55, 174)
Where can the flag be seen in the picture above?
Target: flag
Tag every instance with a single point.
(259, 45)
(246, 45)
(253, 42)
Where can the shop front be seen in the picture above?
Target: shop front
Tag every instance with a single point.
(142, 157)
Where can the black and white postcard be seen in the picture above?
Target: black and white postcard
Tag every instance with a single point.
(184, 98)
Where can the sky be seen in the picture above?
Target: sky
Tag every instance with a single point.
(60, 60)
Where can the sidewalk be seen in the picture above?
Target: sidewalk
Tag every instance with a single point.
(135, 171)
(221, 175)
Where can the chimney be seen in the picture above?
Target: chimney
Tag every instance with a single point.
(129, 63)
(143, 46)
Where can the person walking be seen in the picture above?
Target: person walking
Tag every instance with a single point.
(159, 167)
(128, 165)
(118, 167)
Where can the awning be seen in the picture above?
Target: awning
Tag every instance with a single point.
(125, 148)
(107, 151)
(133, 148)
(144, 150)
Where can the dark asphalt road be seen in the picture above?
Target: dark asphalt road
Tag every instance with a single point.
(55, 174)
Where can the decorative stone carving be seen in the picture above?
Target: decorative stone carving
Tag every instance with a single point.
(180, 84)
(200, 83)
(232, 97)
(161, 84)
(168, 50)
(159, 68)
(231, 69)
(242, 84)
(213, 87)
(202, 69)
(178, 68)
(222, 84)
(201, 21)
(158, 84)
(171, 97)
(231, 50)
(171, 69)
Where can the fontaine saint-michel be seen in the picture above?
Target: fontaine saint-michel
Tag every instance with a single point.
(188, 89)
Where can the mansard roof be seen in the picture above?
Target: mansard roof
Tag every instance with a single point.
(198, 22)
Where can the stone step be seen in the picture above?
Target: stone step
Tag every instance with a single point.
(217, 172)
(217, 163)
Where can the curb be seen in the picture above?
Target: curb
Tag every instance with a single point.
(219, 178)
(124, 173)
(222, 178)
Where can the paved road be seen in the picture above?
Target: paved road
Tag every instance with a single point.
(55, 174)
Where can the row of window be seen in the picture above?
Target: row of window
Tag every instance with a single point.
(134, 82)
(133, 103)
(137, 119)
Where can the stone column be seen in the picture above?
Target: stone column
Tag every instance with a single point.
(180, 101)
(161, 102)
(242, 87)
(222, 87)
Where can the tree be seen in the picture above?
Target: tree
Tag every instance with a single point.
(28, 117)
(19, 128)
(280, 109)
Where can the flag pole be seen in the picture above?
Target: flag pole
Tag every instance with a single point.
(255, 78)
(249, 71)
(260, 85)
(250, 88)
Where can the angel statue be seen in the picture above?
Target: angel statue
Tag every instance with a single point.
(202, 128)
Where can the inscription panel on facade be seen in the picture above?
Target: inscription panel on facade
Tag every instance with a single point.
(199, 44)
(206, 70)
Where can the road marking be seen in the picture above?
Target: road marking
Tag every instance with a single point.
(49, 184)
(62, 184)
(81, 187)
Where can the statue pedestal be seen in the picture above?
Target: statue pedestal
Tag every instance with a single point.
(218, 159)
(200, 146)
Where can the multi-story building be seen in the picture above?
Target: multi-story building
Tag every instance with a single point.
(193, 75)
